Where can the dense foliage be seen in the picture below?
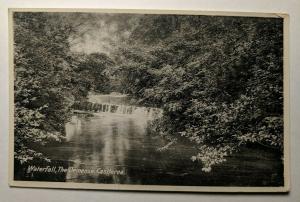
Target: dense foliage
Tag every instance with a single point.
(218, 80)
(48, 79)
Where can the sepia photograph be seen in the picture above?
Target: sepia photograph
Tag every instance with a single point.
(149, 100)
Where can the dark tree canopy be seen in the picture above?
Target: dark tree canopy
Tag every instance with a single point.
(219, 80)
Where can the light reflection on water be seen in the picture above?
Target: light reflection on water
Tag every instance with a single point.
(109, 141)
(119, 141)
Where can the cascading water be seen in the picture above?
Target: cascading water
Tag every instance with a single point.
(118, 103)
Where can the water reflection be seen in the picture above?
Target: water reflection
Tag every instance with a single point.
(108, 139)
(115, 143)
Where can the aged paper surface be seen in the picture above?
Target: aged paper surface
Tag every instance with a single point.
(149, 100)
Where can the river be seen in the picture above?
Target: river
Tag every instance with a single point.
(114, 139)
(112, 145)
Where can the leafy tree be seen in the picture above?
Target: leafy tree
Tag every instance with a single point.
(48, 79)
(218, 80)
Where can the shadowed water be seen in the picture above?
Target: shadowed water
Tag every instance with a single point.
(108, 142)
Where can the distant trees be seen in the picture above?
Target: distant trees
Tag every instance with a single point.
(219, 80)
(95, 69)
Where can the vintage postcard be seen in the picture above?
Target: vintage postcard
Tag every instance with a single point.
(149, 100)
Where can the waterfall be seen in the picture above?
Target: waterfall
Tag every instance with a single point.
(116, 104)
(125, 109)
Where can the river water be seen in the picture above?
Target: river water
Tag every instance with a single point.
(112, 145)
(113, 141)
